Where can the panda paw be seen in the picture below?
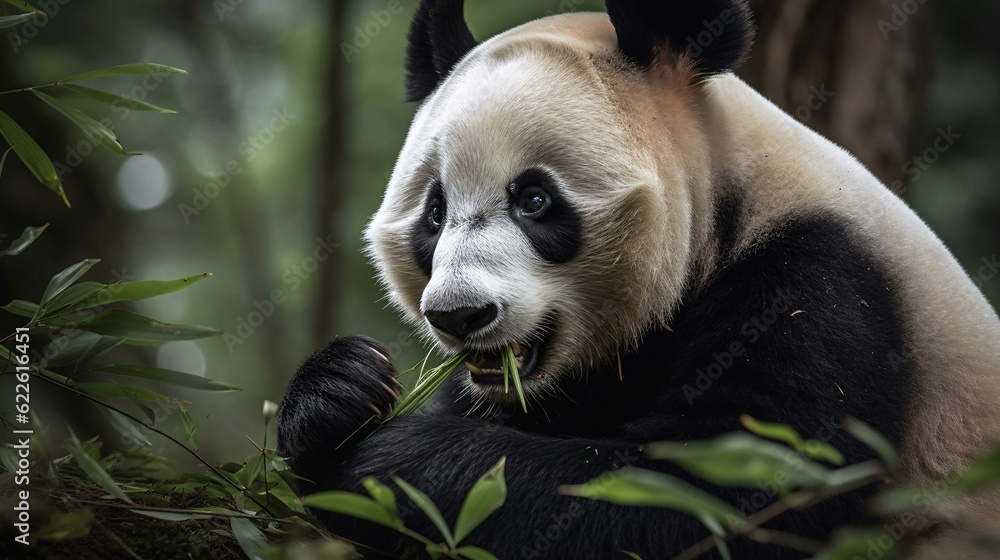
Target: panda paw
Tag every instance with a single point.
(332, 395)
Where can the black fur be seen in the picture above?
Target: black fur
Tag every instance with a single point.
(715, 33)
(798, 330)
(425, 234)
(329, 398)
(438, 39)
(558, 235)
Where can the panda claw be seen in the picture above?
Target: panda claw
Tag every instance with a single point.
(375, 409)
(389, 390)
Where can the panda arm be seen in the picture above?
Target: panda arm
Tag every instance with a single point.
(444, 455)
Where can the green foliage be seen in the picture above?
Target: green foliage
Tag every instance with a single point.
(485, 497)
(28, 150)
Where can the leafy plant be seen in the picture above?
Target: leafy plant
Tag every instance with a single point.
(28, 150)
(486, 496)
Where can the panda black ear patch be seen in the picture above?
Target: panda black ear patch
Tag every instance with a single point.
(716, 34)
(438, 39)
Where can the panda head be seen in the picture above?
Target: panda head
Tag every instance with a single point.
(553, 187)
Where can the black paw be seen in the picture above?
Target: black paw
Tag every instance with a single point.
(332, 395)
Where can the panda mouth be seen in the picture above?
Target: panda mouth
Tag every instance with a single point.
(486, 367)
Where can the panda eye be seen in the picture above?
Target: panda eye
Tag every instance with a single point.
(436, 213)
(534, 202)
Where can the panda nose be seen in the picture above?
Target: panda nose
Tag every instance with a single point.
(462, 321)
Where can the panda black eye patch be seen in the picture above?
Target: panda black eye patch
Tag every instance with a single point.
(426, 231)
(551, 224)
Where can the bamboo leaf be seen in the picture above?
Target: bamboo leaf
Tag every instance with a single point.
(166, 376)
(142, 289)
(135, 327)
(475, 553)
(137, 69)
(27, 238)
(874, 440)
(742, 460)
(190, 428)
(120, 391)
(814, 449)
(21, 308)
(94, 130)
(94, 470)
(488, 494)
(170, 516)
(637, 487)
(76, 347)
(116, 100)
(61, 281)
(353, 505)
(251, 538)
(32, 155)
(24, 6)
(11, 21)
(425, 504)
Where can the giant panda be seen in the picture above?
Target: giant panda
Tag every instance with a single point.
(668, 250)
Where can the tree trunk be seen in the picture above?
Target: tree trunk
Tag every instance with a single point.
(853, 70)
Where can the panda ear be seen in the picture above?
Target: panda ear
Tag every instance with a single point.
(715, 34)
(438, 39)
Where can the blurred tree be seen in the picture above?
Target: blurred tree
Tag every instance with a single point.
(853, 70)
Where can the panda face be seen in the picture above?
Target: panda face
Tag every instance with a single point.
(516, 216)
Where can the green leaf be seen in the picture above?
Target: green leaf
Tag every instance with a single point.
(475, 553)
(142, 289)
(61, 281)
(77, 348)
(251, 538)
(137, 69)
(488, 494)
(170, 516)
(62, 526)
(381, 494)
(984, 472)
(94, 130)
(167, 376)
(638, 487)
(874, 440)
(723, 548)
(11, 21)
(127, 428)
(427, 506)
(94, 470)
(851, 543)
(132, 326)
(353, 505)
(70, 297)
(116, 100)
(27, 238)
(632, 555)
(24, 6)
(742, 460)
(3, 161)
(190, 428)
(32, 155)
(814, 449)
(119, 391)
(21, 308)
